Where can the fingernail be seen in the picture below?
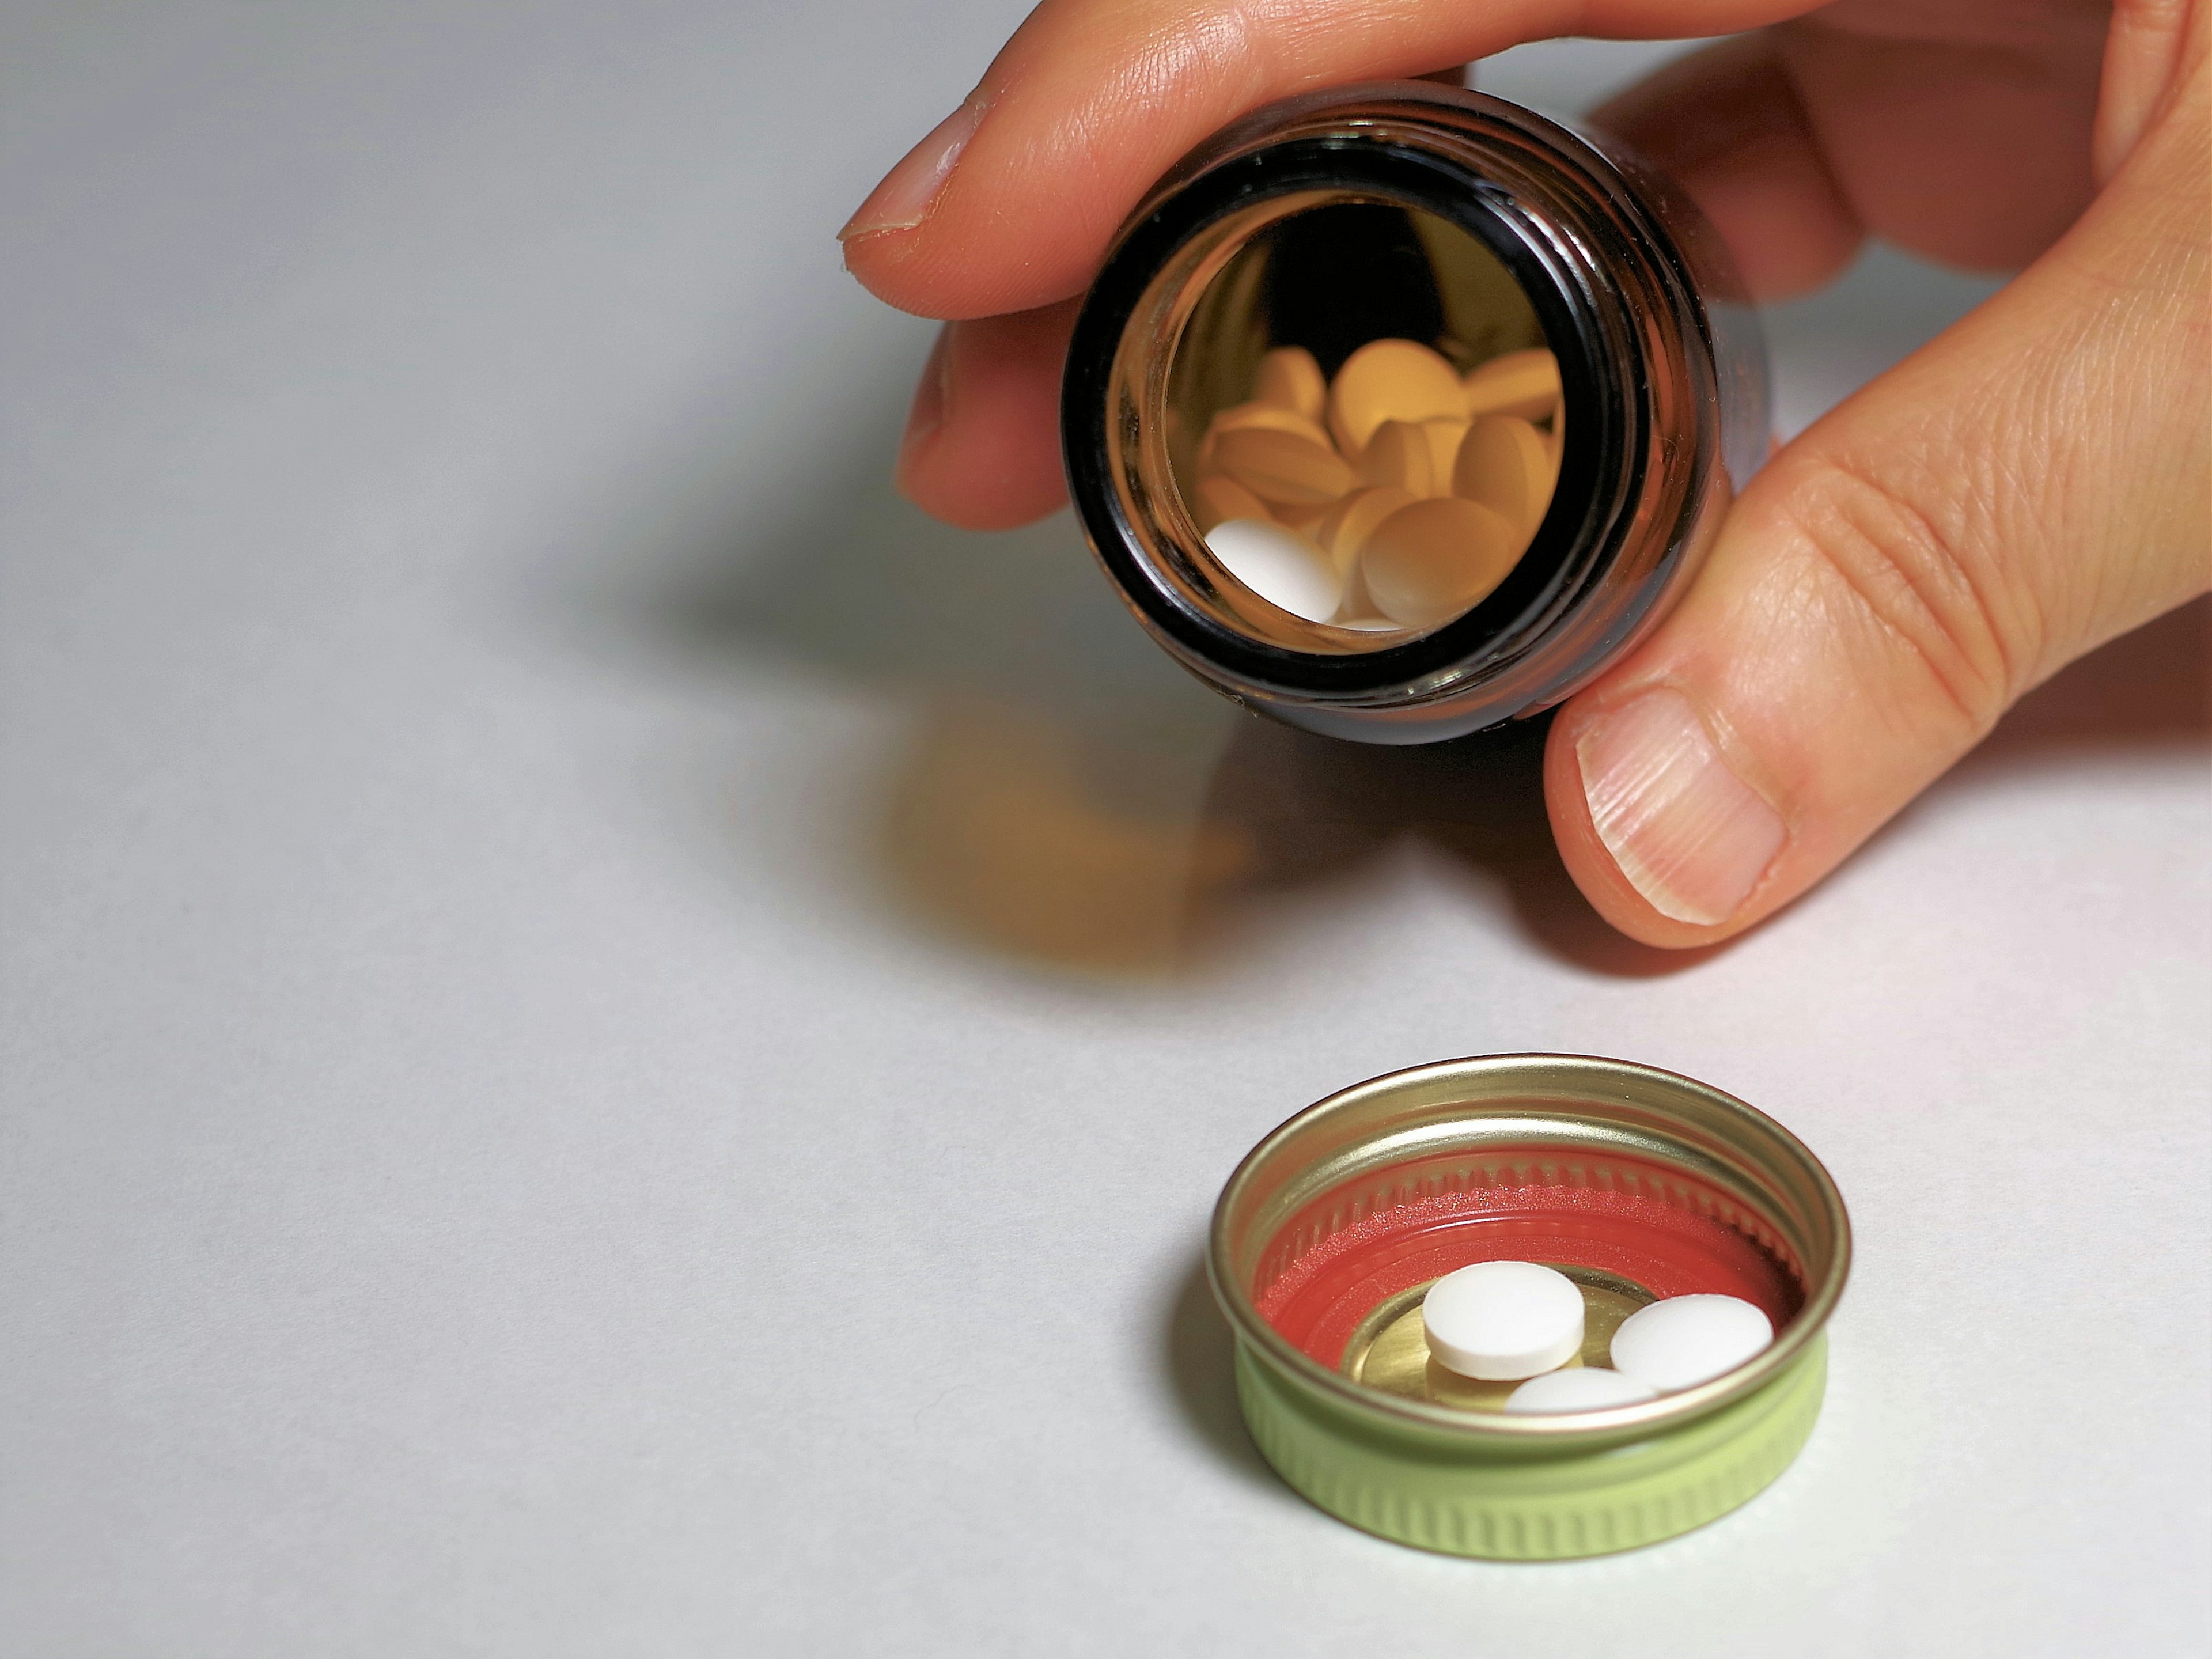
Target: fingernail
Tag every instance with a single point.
(909, 189)
(931, 398)
(1690, 835)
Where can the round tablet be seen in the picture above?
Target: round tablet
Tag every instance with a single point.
(1289, 376)
(1585, 1388)
(1688, 1340)
(1354, 519)
(1503, 463)
(1399, 456)
(1260, 412)
(1445, 433)
(1280, 565)
(1304, 517)
(1272, 416)
(1390, 381)
(1218, 498)
(1523, 383)
(1427, 562)
(1280, 465)
(1497, 1320)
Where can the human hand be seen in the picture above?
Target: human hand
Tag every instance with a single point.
(2034, 482)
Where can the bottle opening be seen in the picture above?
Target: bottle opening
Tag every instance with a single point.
(1364, 422)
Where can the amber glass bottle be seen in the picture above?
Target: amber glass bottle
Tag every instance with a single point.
(1406, 210)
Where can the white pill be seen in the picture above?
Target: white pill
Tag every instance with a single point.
(1688, 1340)
(1585, 1388)
(1282, 566)
(1500, 1321)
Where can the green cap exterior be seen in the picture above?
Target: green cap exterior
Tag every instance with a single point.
(1417, 1484)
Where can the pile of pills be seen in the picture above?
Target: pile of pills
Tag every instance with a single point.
(1395, 496)
(1504, 1321)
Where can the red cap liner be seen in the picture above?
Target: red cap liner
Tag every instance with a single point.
(1654, 1225)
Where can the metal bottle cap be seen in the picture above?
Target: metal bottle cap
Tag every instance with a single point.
(1634, 1182)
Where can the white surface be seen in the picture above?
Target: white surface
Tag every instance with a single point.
(1501, 1321)
(1684, 1341)
(526, 869)
(1585, 1388)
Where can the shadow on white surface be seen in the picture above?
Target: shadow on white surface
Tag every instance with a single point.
(1063, 796)
(2150, 689)
(1313, 810)
(2146, 693)
(1061, 793)
(1198, 1356)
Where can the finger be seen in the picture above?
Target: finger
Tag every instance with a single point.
(2145, 51)
(1009, 203)
(2035, 481)
(1968, 142)
(981, 448)
(1727, 126)
(1727, 122)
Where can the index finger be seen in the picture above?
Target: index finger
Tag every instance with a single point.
(1009, 204)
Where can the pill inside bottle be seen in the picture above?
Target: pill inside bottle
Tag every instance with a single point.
(1376, 383)
(1496, 370)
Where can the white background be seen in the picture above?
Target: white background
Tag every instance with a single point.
(615, 1045)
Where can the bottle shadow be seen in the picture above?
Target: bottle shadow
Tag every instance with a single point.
(1061, 794)
(1064, 797)
(1042, 797)
(1198, 1364)
(1312, 811)
(1309, 807)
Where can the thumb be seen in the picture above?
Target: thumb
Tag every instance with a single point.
(2035, 481)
